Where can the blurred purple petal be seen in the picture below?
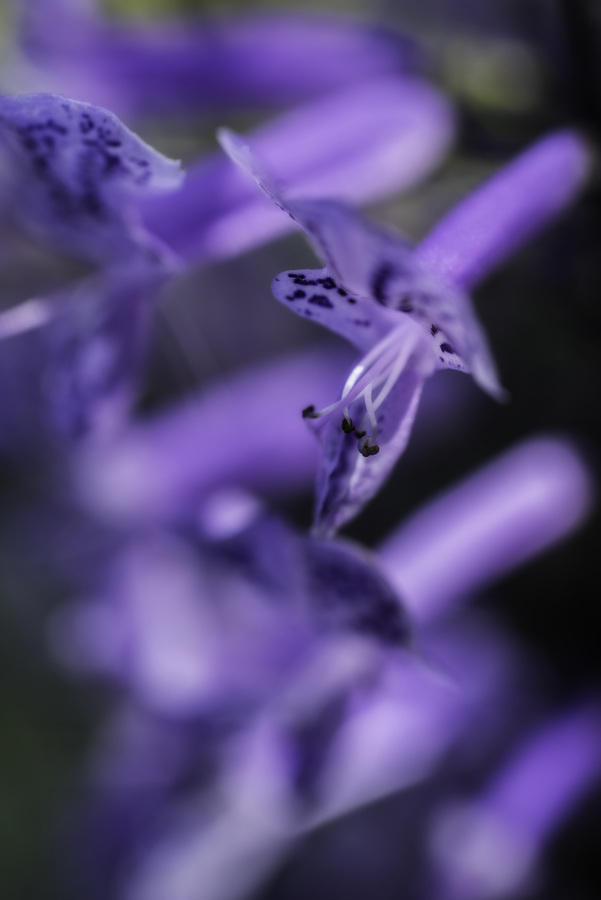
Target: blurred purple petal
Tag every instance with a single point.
(167, 465)
(360, 144)
(173, 66)
(73, 174)
(398, 734)
(488, 847)
(512, 509)
(395, 734)
(194, 631)
(70, 362)
(508, 209)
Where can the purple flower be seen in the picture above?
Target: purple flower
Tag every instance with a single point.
(489, 846)
(171, 67)
(73, 174)
(262, 657)
(407, 311)
(508, 511)
(70, 362)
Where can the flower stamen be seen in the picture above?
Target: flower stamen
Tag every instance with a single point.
(370, 382)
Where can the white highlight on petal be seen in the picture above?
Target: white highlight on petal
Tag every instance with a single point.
(24, 317)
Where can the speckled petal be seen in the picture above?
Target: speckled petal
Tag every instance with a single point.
(314, 294)
(73, 174)
(377, 266)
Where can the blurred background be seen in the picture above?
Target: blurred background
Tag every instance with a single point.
(515, 69)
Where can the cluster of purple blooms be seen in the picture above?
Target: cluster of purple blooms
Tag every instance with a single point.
(267, 681)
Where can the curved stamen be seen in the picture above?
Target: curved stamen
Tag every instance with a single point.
(370, 381)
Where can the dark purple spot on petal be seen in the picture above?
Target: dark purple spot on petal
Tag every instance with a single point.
(327, 283)
(321, 300)
(380, 279)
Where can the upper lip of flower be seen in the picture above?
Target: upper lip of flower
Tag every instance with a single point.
(377, 266)
(421, 321)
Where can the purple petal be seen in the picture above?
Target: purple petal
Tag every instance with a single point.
(75, 173)
(70, 362)
(507, 210)
(398, 734)
(511, 510)
(346, 479)
(315, 295)
(371, 140)
(351, 594)
(503, 831)
(168, 464)
(174, 67)
(376, 264)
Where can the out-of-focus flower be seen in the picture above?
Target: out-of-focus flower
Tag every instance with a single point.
(73, 174)
(172, 67)
(503, 514)
(70, 362)
(246, 610)
(362, 143)
(261, 624)
(489, 846)
(406, 310)
(299, 721)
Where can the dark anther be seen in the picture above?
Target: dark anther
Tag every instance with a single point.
(360, 434)
(309, 412)
(368, 449)
(347, 425)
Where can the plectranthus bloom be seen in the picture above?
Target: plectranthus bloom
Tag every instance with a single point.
(206, 631)
(407, 310)
(325, 708)
(73, 175)
(177, 66)
(489, 846)
(70, 361)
